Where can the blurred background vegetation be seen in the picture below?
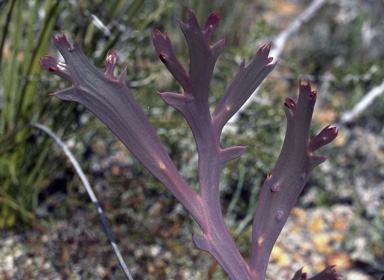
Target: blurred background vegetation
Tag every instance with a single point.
(43, 205)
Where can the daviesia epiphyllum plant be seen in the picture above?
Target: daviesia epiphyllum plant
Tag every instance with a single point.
(109, 98)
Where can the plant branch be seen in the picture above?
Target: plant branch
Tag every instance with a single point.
(112, 102)
(294, 165)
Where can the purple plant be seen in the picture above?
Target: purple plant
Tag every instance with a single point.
(112, 102)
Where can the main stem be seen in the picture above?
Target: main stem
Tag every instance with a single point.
(220, 243)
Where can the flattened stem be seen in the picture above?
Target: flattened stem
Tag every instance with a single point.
(246, 80)
(110, 99)
(282, 188)
(113, 103)
(193, 104)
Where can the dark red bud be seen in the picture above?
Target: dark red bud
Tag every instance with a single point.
(289, 103)
(163, 57)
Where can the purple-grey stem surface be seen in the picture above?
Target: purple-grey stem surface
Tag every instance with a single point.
(112, 102)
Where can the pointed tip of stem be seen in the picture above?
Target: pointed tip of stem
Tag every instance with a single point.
(212, 21)
(200, 242)
(232, 152)
(123, 75)
(326, 136)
